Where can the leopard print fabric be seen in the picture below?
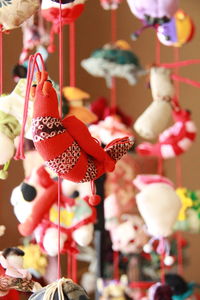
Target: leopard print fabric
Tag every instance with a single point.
(46, 127)
(66, 161)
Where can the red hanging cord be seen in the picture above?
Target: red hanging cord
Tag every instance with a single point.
(72, 54)
(179, 253)
(116, 265)
(32, 63)
(158, 51)
(183, 63)
(1, 60)
(74, 267)
(60, 110)
(113, 92)
(69, 265)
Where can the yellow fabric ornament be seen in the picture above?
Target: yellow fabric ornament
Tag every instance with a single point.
(186, 203)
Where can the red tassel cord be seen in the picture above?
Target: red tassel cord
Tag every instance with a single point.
(1, 60)
(72, 54)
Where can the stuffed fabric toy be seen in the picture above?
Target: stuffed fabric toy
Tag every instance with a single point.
(110, 128)
(159, 291)
(154, 200)
(18, 12)
(110, 4)
(63, 288)
(71, 10)
(128, 236)
(13, 276)
(153, 11)
(114, 60)
(66, 145)
(157, 115)
(175, 140)
(77, 216)
(178, 31)
(112, 289)
(34, 35)
(11, 112)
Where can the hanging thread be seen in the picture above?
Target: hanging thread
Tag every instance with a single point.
(116, 264)
(72, 54)
(1, 60)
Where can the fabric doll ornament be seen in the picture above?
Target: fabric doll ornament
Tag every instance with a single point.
(63, 288)
(153, 12)
(70, 11)
(110, 4)
(15, 276)
(112, 289)
(110, 128)
(178, 31)
(76, 217)
(66, 145)
(157, 197)
(175, 140)
(159, 291)
(18, 12)
(157, 115)
(114, 60)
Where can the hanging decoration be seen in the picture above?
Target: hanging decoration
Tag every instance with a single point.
(114, 60)
(12, 275)
(71, 10)
(178, 31)
(156, 116)
(175, 140)
(63, 288)
(76, 217)
(110, 4)
(18, 12)
(157, 196)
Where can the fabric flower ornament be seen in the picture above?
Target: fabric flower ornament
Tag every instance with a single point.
(41, 221)
(70, 11)
(34, 260)
(173, 141)
(186, 203)
(157, 115)
(110, 128)
(18, 12)
(114, 60)
(110, 4)
(178, 31)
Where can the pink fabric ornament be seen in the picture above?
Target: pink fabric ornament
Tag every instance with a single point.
(173, 141)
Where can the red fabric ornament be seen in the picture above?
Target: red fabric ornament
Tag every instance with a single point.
(66, 145)
(69, 13)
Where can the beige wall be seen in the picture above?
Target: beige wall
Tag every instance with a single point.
(93, 30)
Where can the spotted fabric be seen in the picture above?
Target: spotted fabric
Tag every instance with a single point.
(46, 127)
(91, 172)
(118, 149)
(66, 161)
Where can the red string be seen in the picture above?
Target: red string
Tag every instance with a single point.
(1, 60)
(162, 268)
(179, 253)
(158, 51)
(116, 264)
(60, 111)
(160, 166)
(186, 80)
(30, 73)
(69, 264)
(74, 267)
(183, 63)
(72, 53)
(113, 25)
(113, 92)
